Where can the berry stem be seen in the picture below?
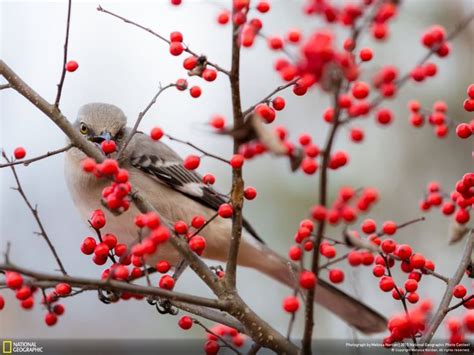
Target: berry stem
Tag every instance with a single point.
(27, 162)
(66, 43)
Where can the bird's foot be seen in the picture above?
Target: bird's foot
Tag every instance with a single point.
(107, 296)
(163, 306)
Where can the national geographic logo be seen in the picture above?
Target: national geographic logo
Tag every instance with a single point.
(15, 347)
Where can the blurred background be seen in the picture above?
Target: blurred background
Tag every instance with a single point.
(123, 65)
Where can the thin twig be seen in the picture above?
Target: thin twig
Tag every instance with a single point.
(198, 149)
(27, 162)
(34, 212)
(5, 86)
(66, 43)
(270, 95)
(186, 49)
(140, 118)
(209, 331)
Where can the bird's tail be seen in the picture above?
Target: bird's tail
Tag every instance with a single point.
(352, 311)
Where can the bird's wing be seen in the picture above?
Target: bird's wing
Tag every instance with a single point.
(166, 166)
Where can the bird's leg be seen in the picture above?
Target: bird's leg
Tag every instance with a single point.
(165, 306)
(107, 296)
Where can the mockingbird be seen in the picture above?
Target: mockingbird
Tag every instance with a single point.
(179, 194)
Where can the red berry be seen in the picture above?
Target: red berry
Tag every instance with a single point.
(278, 103)
(185, 322)
(209, 74)
(404, 251)
(237, 161)
(101, 250)
(2, 302)
(307, 279)
(469, 105)
(88, 245)
(265, 112)
(386, 284)
(176, 36)
(309, 166)
(275, 42)
(23, 293)
(176, 48)
(197, 244)
(378, 270)
(58, 309)
(191, 162)
(163, 266)
(195, 91)
(19, 153)
(295, 253)
(63, 289)
(293, 35)
(181, 84)
(181, 227)
(411, 285)
(88, 165)
(72, 66)
(336, 276)
(463, 130)
(50, 319)
(384, 116)
(166, 282)
(211, 347)
(389, 228)
(198, 221)
(417, 261)
(369, 226)
(366, 54)
(156, 133)
(223, 17)
(190, 62)
(263, 6)
(217, 121)
(354, 258)
(360, 90)
(291, 304)
(250, 193)
(459, 291)
(225, 210)
(470, 91)
(357, 134)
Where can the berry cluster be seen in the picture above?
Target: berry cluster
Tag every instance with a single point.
(116, 195)
(437, 117)
(25, 295)
(458, 202)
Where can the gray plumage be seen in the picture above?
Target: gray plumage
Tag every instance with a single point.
(178, 194)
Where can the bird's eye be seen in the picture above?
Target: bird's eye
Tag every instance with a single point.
(83, 128)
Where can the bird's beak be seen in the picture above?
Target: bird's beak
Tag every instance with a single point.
(104, 136)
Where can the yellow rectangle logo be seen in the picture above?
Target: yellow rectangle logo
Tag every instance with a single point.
(7, 347)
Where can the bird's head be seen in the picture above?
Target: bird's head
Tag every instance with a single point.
(100, 122)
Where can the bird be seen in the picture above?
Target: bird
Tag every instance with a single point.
(176, 193)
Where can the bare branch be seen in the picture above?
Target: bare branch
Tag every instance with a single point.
(140, 118)
(5, 86)
(207, 154)
(27, 162)
(34, 212)
(164, 39)
(443, 307)
(66, 43)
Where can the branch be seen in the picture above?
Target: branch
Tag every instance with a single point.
(140, 118)
(27, 162)
(260, 330)
(66, 42)
(237, 180)
(5, 86)
(207, 154)
(443, 307)
(323, 187)
(269, 96)
(112, 285)
(186, 49)
(34, 212)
